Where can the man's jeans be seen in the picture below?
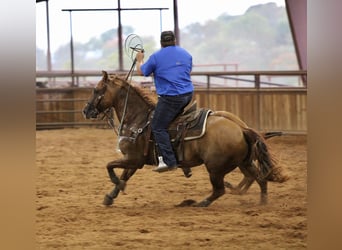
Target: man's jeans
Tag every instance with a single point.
(167, 109)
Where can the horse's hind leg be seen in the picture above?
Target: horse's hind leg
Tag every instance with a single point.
(263, 191)
(244, 184)
(248, 180)
(262, 182)
(217, 182)
(242, 187)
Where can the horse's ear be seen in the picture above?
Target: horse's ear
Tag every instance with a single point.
(104, 76)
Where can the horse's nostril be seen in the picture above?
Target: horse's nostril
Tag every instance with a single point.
(90, 114)
(84, 112)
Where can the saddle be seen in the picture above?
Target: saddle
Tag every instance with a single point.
(190, 125)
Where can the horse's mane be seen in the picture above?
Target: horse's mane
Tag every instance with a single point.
(149, 97)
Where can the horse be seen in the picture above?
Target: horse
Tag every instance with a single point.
(226, 144)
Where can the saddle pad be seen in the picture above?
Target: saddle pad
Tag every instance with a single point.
(193, 125)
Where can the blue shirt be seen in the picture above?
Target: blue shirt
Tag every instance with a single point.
(171, 67)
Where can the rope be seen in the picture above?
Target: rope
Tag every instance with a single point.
(130, 74)
(137, 47)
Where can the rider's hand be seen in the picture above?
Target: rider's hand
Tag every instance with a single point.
(140, 56)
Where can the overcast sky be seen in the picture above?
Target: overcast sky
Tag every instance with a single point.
(91, 24)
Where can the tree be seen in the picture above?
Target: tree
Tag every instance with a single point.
(41, 59)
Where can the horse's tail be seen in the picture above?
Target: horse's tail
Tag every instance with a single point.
(277, 174)
(259, 152)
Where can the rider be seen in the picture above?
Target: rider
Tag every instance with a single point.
(171, 67)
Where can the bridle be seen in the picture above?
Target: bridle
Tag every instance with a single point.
(94, 103)
(108, 113)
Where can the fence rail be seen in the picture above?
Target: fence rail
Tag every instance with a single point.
(75, 79)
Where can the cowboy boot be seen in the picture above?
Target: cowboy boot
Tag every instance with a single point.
(162, 167)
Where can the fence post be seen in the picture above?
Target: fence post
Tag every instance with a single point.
(208, 90)
(258, 111)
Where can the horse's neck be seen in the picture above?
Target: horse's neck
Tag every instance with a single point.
(131, 108)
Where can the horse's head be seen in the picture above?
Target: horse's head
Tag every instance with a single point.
(100, 100)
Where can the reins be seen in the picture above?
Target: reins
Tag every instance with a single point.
(110, 119)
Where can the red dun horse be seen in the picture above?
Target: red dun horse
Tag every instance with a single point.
(226, 144)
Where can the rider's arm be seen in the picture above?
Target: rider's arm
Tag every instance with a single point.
(140, 61)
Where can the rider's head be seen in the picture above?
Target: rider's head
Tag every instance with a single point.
(167, 38)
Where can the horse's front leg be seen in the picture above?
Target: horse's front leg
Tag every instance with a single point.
(126, 174)
(120, 183)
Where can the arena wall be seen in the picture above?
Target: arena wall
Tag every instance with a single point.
(270, 109)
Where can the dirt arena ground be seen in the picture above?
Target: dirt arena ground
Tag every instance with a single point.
(72, 181)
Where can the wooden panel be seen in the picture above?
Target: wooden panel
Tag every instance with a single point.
(284, 111)
(264, 110)
(53, 105)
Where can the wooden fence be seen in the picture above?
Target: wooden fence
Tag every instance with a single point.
(263, 109)
(263, 106)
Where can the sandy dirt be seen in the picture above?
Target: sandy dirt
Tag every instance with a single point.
(72, 181)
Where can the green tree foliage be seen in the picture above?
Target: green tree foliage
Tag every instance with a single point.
(258, 40)
(41, 60)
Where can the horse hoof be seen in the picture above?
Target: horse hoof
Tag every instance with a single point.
(186, 203)
(107, 201)
(263, 201)
(204, 203)
(187, 172)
